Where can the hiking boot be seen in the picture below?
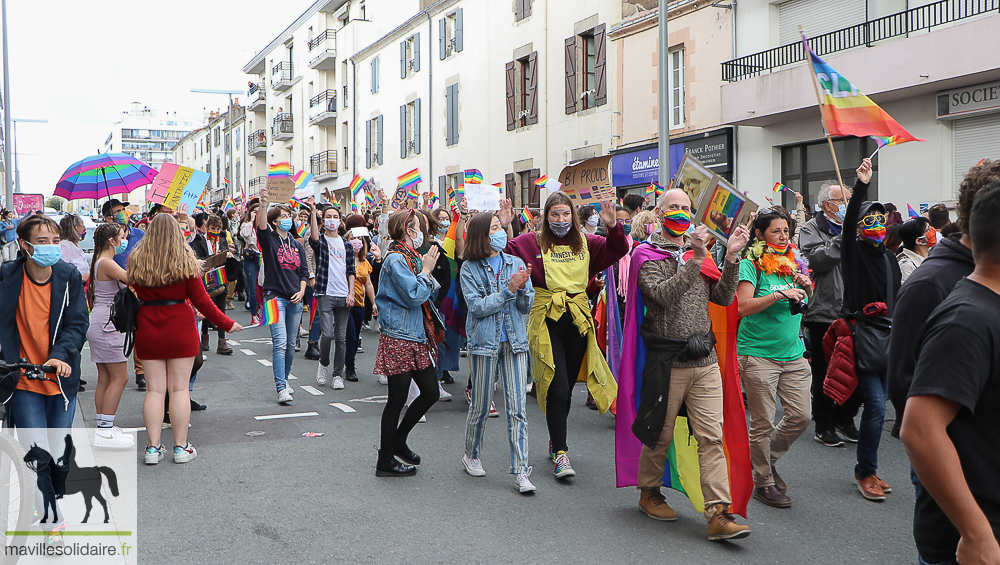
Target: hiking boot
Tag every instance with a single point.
(870, 488)
(351, 375)
(723, 525)
(223, 348)
(772, 497)
(312, 351)
(654, 505)
(828, 438)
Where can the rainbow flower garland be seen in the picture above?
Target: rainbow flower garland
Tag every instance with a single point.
(788, 264)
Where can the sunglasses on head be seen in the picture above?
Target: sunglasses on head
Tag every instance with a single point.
(771, 210)
(872, 219)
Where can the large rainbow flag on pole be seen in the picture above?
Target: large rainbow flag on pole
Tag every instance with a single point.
(847, 111)
(682, 470)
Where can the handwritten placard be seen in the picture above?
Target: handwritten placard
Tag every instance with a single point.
(482, 197)
(588, 182)
(280, 188)
(176, 185)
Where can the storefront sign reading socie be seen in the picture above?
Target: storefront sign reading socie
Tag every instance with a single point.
(976, 99)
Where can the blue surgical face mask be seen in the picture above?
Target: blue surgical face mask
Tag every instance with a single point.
(443, 226)
(121, 247)
(498, 240)
(46, 255)
(841, 212)
(285, 224)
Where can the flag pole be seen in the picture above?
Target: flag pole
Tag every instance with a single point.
(819, 100)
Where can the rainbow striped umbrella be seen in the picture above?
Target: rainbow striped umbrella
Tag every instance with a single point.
(100, 176)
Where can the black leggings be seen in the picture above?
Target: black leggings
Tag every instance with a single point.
(568, 349)
(394, 432)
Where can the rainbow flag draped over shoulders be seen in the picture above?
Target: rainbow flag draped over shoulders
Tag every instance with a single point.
(451, 308)
(682, 470)
(847, 111)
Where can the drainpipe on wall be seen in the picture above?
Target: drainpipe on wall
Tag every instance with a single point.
(354, 112)
(430, 106)
(736, 128)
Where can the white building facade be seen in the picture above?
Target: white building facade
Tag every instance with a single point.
(208, 149)
(934, 66)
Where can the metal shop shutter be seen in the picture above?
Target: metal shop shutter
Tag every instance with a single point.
(976, 138)
(817, 17)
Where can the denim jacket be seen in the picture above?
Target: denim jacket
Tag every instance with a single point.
(400, 297)
(489, 301)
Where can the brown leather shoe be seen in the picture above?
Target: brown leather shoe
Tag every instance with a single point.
(772, 497)
(885, 486)
(870, 488)
(652, 502)
(778, 483)
(223, 349)
(723, 525)
(204, 342)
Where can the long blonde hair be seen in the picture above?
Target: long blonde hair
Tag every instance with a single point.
(162, 257)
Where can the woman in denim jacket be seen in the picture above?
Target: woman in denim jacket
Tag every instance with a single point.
(498, 293)
(405, 349)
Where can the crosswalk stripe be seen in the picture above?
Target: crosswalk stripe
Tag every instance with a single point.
(264, 362)
(250, 352)
(312, 390)
(342, 407)
(291, 377)
(233, 342)
(293, 415)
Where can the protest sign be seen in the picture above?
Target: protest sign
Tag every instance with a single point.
(175, 185)
(722, 208)
(693, 178)
(588, 182)
(482, 197)
(24, 203)
(280, 188)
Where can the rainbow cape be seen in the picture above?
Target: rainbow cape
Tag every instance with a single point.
(913, 213)
(279, 169)
(451, 309)
(682, 471)
(846, 111)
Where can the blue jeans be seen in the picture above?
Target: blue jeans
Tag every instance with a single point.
(250, 270)
(354, 322)
(283, 340)
(33, 410)
(921, 561)
(872, 389)
(448, 352)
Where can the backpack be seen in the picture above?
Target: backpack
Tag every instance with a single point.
(124, 316)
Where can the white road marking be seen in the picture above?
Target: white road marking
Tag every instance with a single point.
(291, 377)
(204, 357)
(380, 399)
(293, 415)
(342, 407)
(312, 390)
(233, 342)
(264, 362)
(133, 430)
(250, 352)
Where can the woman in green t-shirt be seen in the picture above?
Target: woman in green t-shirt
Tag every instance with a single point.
(773, 292)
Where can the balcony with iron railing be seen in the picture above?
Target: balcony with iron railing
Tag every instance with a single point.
(257, 142)
(281, 127)
(255, 184)
(323, 165)
(323, 50)
(864, 34)
(323, 108)
(257, 97)
(282, 76)
(922, 50)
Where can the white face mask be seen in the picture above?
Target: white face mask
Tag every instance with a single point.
(592, 221)
(332, 224)
(418, 239)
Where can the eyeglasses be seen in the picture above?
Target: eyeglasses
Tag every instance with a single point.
(872, 219)
(771, 210)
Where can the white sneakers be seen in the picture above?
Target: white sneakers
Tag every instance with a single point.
(155, 454)
(338, 382)
(321, 373)
(473, 467)
(521, 482)
(494, 413)
(445, 396)
(382, 379)
(112, 438)
(284, 397)
(185, 453)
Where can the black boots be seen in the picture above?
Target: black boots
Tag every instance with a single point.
(312, 351)
(351, 375)
(388, 466)
(406, 455)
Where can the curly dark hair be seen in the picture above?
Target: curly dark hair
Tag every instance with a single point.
(978, 177)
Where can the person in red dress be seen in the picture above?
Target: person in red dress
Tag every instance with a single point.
(166, 276)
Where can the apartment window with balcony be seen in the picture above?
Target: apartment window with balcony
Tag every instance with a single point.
(373, 142)
(451, 115)
(409, 56)
(450, 40)
(374, 68)
(522, 91)
(586, 70)
(409, 129)
(676, 87)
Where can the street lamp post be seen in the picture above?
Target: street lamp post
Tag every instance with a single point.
(7, 181)
(663, 116)
(232, 141)
(17, 160)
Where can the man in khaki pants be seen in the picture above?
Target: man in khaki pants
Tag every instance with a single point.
(676, 293)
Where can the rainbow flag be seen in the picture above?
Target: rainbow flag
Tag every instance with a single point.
(369, 197)
(301, 179)
(410, 180)
(769, 201)
(298, 201)
(433, 201)
(452, 198)
(271, 313)
(682, 472)
(300, 229)
(239, 199)
(778, 187)
(526, 215)
(215, 277)
(229, 205)
(357, 183)
(540, 181)
(279, 169)
(413, 192)
(473, 176)
(451, 308)
(654, 189)
(847, 111)
(913, 213)
(498, 185)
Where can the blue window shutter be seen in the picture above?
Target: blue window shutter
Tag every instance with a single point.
(458, 31)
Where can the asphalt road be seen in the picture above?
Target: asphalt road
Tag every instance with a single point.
(284, 498)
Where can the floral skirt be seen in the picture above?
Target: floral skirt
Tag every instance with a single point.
(398, 356)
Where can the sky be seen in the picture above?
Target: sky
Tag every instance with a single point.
(80, 64)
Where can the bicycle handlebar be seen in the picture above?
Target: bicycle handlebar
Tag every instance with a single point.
(30, 371)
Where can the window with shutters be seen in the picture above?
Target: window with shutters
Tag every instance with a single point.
(522, 91)
(373, 142)
(586, 70)
(450, 30)
(409, 56)
(522, 9)
(409, 115)
(218, 168)
(451, 115)
(374, 67)
(676, 86)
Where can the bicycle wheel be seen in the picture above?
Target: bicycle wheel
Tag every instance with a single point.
(17, 495)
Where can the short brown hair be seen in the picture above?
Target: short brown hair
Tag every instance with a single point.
(938, 215)
(399, 221)
(544, 235)
(977, 178)
(213, 220)
(26, 227)
(275, 211)
(477, 237)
